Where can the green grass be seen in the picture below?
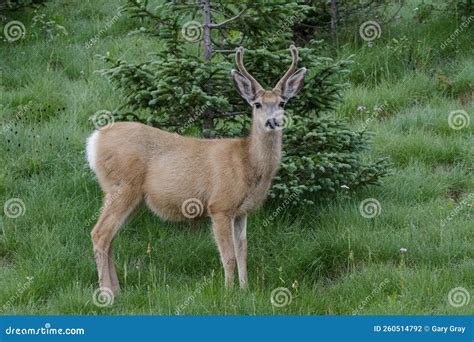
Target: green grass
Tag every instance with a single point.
(328, 255)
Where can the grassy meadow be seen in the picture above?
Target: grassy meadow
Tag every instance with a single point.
(330, 258)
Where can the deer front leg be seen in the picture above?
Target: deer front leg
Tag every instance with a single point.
(222, 228)
(240, 244)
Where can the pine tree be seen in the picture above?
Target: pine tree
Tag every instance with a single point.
(186, 86)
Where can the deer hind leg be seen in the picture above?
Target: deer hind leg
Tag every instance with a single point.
(222, 228)
(116, 209)
(114, 283)
(240, 244)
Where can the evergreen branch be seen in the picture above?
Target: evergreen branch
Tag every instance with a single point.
(225, 22)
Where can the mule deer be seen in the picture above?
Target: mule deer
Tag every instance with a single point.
(180, 177)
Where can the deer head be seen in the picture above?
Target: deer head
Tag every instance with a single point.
(268, 105)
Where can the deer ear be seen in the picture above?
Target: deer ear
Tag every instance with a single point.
(294, 83)
(244, 86)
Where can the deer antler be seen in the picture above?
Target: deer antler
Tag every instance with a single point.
(291, 70)
(239, 60)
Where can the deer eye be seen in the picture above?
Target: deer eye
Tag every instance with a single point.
(258, 105)
(281, 104)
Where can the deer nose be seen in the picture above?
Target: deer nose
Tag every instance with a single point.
(272, 123)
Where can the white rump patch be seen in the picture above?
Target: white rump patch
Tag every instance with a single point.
(91, 150)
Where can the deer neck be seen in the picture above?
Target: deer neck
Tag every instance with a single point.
(264, 150)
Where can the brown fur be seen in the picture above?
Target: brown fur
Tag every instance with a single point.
(228, 177)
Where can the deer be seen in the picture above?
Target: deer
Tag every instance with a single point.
(181, 177)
